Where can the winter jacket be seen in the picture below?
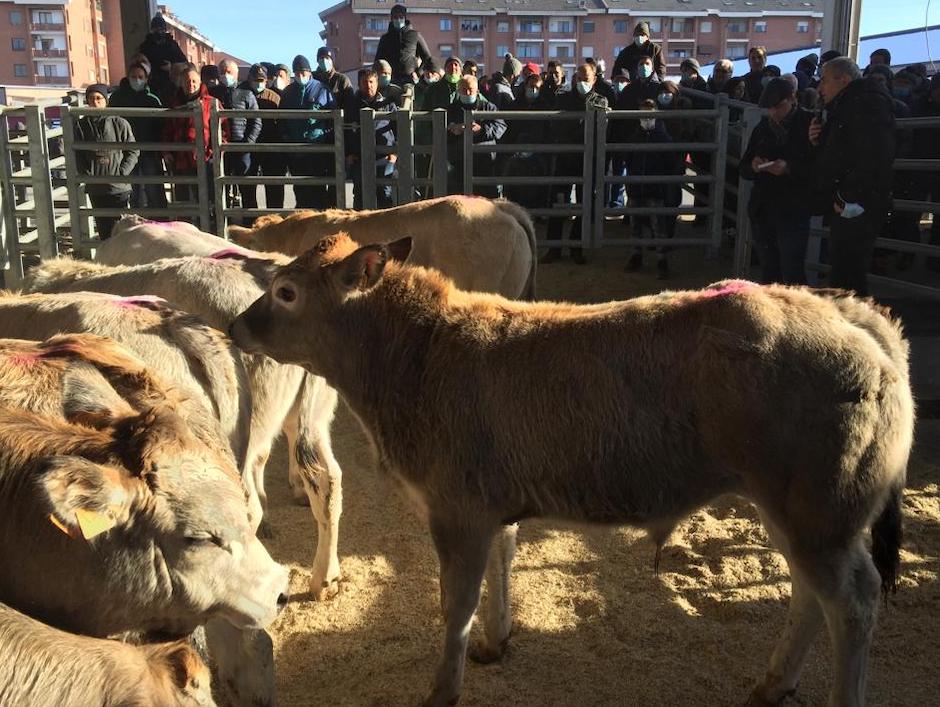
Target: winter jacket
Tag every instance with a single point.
(313, 96)
(269, 99)
(630, 56)
(339, 84)
(638, 91)
(531, 132)
(106, 162)
(491, 130)
(440, 95)
(160, 47)
(788, 193)
(653, 164)
(384, 122)
(856, 149)
(241, 97)
(144, 129)
(500, 94)
(402, 48)
(183, 130)
(753, 86)
(606, 89)
(571, 132)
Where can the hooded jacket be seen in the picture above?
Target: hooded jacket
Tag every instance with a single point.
(144, 129)
(106, 162)
(857, 147)
(630, 56)
(402, 48)
(240, 97)
(160, 47)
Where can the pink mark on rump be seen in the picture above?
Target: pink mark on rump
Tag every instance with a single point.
(22, 359)
(729, 288)
(148, 301)
(233, 253)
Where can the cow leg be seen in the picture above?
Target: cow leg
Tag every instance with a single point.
(243, 660)
(804, 618)
(292, 432)
(462, 552)
(497, 612)
(322, 480)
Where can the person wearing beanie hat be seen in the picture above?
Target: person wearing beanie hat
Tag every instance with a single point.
(512, 68)
(106, 162)
(162, 51)
(299, 64)
(210, 75)
(280, 78)
(778, 159)
(430, 74)
(642, 46)
(403, 47)
(339, 84)
(690, 70)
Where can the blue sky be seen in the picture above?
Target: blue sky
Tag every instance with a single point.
(276, 30)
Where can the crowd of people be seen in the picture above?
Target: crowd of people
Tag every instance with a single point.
(825, 146)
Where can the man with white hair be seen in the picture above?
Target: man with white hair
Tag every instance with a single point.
(854, 153)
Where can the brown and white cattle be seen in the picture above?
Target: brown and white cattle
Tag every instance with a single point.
(491, 411)
(135, 241)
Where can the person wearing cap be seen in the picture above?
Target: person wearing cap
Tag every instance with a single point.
(269, 164)
(339, 84)
(756, 60)
(853, 157)
(369, 95)
(107, 162)
(642, 46)
(431, 73)
(134, 92)
(161, 51)
(280, 79)
(306, 93)
(393, 92)
(778, 159)
(403, 47)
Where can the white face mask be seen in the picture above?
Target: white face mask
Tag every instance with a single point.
(640, 40)
(137, 84)
(584, 87)
(281, 83)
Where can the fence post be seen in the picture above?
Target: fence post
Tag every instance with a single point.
(76, 193)
(742, 243)
(218, 170)
(719, 163)
(600, 169)
(467, 144)
(367, 158)
(13, 272)
(405, 162)
(439, 151)
(41, 180)
(587, 186)
(339, 159)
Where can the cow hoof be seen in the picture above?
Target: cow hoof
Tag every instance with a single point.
(480, 652)
(324, 591)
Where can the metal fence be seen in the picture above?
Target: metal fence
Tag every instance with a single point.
(34, 202)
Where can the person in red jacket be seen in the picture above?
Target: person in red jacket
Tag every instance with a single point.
(183, 130)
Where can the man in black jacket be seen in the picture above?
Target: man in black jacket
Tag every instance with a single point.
(233, 95)
(369, 96)
(641, 47)
(162, 51)
(777, 159)
(852, 163)
(402, 46)
(339, 84)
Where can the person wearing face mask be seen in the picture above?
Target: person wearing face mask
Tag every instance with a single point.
(485, 132)
(778, 160)
(629, 57)
(582, 99)
(603, 87)
(500, 91)
(529, 132)
(690, 76)
(392, 92)
(106, 162)
(268, 164)
(756, 60)
(431, 73)
(643, 88)
(512, 72)
(306, 93)
(403, 47)
(339, 84)
(281, 78)
(443, 93)
(369, 95)
(162, 51)
(134, 92)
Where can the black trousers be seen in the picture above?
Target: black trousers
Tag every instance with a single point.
(272, 164)
(851, 244)
(105, 224)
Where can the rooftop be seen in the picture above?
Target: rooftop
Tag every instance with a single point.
(636, 8)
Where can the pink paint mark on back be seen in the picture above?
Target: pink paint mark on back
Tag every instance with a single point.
(729, 288)
(136, 301)
(22, 359)
(233, 253)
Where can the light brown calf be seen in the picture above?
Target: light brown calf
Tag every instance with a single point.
(46, 667)
(485, 245)
(491, 411)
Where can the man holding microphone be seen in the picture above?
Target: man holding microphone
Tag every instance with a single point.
(853, 153)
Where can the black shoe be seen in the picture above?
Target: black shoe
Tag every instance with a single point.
(551, 256)
(577, 257)
(635, 262)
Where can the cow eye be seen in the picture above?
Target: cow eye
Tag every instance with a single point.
(286, 294)
(202, 540)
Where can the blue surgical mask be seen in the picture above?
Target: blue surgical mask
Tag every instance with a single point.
(531, 93)
(137, 84)
(230, 80)
(584, 87)
(640, 40)
(620, 86)
(384, 80)
(398, 24)
(259, 86)
(645, 71)
(467, 100)
(664, 99)
(325, 64)
(302, 79)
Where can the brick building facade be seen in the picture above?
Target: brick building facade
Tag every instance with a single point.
(570, 30)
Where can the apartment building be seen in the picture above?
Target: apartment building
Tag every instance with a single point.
(198, 48)
(570, 30)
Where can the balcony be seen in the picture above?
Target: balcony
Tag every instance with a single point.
(685, 32)
(49, 53)
(47, 26)
(736, 31)
(51, 80)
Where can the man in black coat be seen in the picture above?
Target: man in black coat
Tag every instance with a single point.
(162, 51)
(641, 47)
(777, 159)
(854, 152)
(339, 84)
(402, 46)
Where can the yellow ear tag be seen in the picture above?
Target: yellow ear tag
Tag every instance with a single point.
(93, 523)
(61, 526)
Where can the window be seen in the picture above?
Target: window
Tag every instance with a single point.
(44, 18)
(91, 75)
(620, 26)
(369, 48)
(680, 26)
(502, 26)
(760, 28)
(656, 26)
(502, 50)
(531, 26)
(561, 51)
(679, 53)
(445, 50)
(471, 24)
(19, 70)
(587, 27)
(587, 52)
(565, 26)
(101, 28)
(16, 18)
(18, 44)
(529, 50)
(617, 51)
(802, 27)
(446, 24)
(737, 51)
(376, 24)
(471, 50)
(705, 27)
(737, 27)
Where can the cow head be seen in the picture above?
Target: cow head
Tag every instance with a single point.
(310, 294)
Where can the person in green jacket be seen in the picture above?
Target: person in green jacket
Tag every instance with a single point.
(134, 92)
(105, 162)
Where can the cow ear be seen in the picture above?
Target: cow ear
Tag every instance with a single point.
(363, 269)
(241, 235)
(88, 399)
(400, 250)
(182, 663)
(86, 499)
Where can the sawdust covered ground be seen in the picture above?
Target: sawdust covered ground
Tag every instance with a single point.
(593, 625)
